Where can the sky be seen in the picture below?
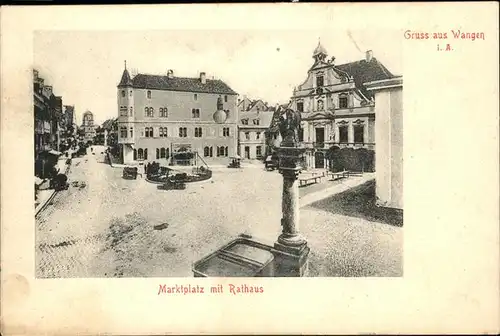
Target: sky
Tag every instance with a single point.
(84, 67)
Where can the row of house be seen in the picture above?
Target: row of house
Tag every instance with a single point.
(54, 126)
(162, 114)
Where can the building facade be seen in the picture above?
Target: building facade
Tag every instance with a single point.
(255, 119)
(68, 137)
(337, 110)
(252, 133)
(389, 141)
(109, 133)
(172, 119)
(48, 126)
(88, 127)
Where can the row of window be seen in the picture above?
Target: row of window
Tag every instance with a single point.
(343, 103)
(359, 134)
(198, 133)
(164, 153)
(142, 154)
(245, 121)
(358, 130)
(208, 151)
(123, 132)
(163, 132)
(257, 135)
(148, 94)
(124, 112)
(343, 137)
(150, 113)
(258, 152)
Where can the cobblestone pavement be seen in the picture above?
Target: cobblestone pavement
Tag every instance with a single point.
(105, 226)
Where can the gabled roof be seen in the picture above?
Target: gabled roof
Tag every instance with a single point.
(242, 101)
(363, 72)
(274, 127)
(255, 102)
(156, 82)
(264, 117)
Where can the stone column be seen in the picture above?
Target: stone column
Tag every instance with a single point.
(365, 132)
(350, 133)
(337, 134)
(290, 208)
(290, 250)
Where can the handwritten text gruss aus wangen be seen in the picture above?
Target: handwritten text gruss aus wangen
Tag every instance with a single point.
(456, 34)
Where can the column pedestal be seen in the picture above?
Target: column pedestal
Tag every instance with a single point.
(291, 261)
(290, 250)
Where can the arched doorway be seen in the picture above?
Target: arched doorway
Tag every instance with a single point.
(319, 160)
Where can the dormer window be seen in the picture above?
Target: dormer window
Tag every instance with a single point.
(149, 94)
(319, 80)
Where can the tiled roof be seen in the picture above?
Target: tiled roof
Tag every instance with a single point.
(255, 102)
(155, 82)
(125, 81)
(363, 72)
(274, 127)
(243, 101)
(264, 117)
(108, 123)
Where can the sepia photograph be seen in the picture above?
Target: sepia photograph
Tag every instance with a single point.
(249, 169)
(164, 154)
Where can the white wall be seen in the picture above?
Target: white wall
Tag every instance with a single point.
(389, 147)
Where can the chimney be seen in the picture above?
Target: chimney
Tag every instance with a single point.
(203, 78)
(170, 74)
(369, 55)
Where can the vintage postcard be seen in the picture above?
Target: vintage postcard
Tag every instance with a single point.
(193, 167)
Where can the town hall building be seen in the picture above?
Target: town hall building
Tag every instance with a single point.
(176, 120)
(337, 111)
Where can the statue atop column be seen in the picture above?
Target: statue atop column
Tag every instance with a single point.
(289, 127)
